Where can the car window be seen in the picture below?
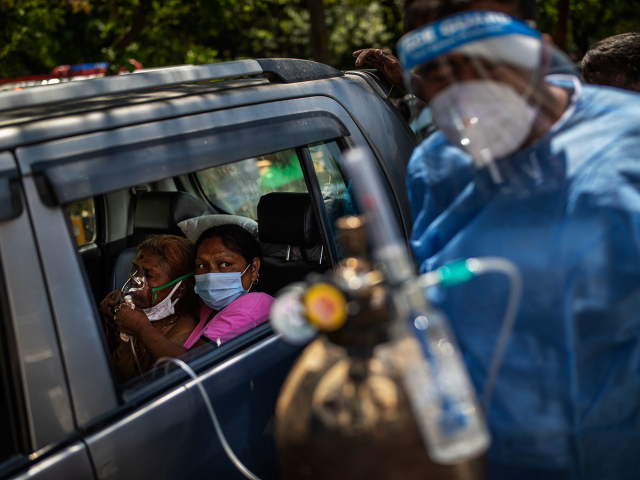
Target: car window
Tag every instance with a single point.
(337, 199)
(82, 215)
(236, 188)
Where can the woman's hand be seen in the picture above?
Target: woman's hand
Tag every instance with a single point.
(109, 303)
(131, 321)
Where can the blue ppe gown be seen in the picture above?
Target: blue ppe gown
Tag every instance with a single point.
(566, 404)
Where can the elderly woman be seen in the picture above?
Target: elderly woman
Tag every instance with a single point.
(227, 270)
(160, 292)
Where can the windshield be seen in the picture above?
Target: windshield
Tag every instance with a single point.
(236, 188)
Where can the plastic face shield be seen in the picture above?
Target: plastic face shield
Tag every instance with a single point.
(481, 73)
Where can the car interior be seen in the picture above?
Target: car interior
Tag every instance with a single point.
(108, 228)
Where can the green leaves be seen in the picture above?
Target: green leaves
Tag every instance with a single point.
(37, 35)
(590, 21)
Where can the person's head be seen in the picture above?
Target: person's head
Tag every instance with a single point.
(421, 12)
(614, 61)
(164, 259)
(227, 249)
(482, 73)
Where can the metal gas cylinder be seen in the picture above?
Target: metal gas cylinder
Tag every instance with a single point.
(343, 411)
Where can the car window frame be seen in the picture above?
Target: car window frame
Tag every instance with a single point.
(313, 185)
(43, 412)
(211, 359)
(13, 387)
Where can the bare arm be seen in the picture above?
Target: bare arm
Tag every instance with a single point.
(158, 345)
(387, 64)
(384, 62)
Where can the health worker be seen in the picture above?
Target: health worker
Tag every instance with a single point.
(544, 172)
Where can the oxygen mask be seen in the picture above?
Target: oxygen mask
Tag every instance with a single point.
(137, 291)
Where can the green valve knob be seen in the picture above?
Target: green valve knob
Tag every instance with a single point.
(454, 274)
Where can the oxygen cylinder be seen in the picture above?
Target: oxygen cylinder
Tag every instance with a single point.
(343, 411)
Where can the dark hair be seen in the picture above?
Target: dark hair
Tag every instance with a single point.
(614, 61)
(179, 256)
(420, 12)
(235, 238)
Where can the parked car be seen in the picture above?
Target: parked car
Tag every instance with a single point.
(90, 169)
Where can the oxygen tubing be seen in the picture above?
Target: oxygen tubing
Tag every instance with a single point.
(480, 266)
(463, 271)
(212, 414)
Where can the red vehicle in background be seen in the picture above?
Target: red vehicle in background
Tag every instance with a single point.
(63, 73)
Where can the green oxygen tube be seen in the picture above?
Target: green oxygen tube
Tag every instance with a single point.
(172, 282)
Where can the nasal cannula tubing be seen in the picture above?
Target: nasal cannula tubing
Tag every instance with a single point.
(212, 414)
(480, 266)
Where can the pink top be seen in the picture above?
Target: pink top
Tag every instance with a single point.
(239, 316)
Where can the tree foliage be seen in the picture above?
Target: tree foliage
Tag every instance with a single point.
(37, 35)
(590, 21)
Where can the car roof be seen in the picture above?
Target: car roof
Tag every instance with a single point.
(49, 112)
(286, 70)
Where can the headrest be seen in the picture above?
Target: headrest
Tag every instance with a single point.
(194, 227)
(160, 212)
(287, 219)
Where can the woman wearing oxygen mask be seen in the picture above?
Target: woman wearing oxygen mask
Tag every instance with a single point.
(159, 293)
(227, 269)
(544, 172)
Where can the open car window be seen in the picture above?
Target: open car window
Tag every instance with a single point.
(235, 188)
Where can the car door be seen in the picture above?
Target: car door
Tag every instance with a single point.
(161, 429)
(39, 438)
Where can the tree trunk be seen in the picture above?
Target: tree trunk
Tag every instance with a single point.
(319, 36)
(129, 36)
(137, 24)
(562, 29)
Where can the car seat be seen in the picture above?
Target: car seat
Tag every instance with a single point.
(287, 219)
(156, 213)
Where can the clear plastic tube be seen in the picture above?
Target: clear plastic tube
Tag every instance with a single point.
(480, 266)
(212, 414)
(441, 394)
(135, 355)
(461, 272)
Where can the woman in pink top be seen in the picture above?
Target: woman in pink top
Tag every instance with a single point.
(227, 271)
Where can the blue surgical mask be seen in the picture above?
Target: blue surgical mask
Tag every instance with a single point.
(220, 289)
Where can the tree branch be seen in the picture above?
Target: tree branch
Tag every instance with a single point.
(137, 24)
